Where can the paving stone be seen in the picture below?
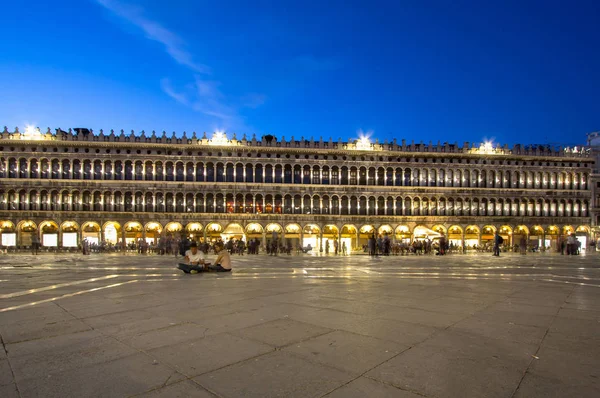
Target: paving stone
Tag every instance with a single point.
(122, 377)
(46, 311)
(579, 314)
(38, 359)
(404, 333)
(424, 317)
(166, 336)
(534, 386)
(6, 375)
(133, 328)
(117, 318)
(568, 367)
(497, 307)
(515, 318)
(182, 389)
(347, 351)
(281, 332)
(206, 354)
(365, 387)
(458, 365)
(39, 329)
(278, 374)
(498, 329)
(9, 391)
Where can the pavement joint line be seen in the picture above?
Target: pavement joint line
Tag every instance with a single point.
(534, 357)
(139, 350)
(571, 283)
(12, 371)
(52, 287)
(52, 299)
(437, 332)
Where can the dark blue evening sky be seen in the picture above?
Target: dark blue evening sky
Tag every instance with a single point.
(511, 71)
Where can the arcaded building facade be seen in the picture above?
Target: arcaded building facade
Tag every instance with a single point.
(115, 187)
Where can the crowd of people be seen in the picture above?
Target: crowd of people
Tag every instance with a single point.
(376, 246)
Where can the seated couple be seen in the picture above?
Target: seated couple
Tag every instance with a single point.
(195, 262)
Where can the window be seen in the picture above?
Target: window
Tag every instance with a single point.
(353, 177)
(335, 177)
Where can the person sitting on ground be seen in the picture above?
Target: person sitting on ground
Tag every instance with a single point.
(194, 259)
(222, 263)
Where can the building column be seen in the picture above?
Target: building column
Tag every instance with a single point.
(123, 242)
(321, 240)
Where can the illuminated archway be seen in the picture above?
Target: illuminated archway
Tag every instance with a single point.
(330, 239)
(403, 234)
(583, 235)
(385, 230)
(440, 229)
(112, 232)
(471, 236)
(422, 232)
(194, 231)
(506, 233)
(153, 232)
(8, 233)
(69, 231)
(173, 228)
(348, 238)
(521, 230)
(455, 237)
(311, 236)
(567, 230)
(213, 231)
(25, 231)
(273, 227)
(133, 231)
(583, 229)
(487, 234)
(254, 231)
(233, 231)
(49, 233)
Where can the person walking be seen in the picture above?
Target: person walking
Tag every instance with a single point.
(35, 244)
(497, 242)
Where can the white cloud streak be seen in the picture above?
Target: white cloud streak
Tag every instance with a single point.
(173, 44)
(203, 96)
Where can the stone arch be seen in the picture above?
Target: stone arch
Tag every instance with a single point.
(439, 228)
(112, 232)
(133, 231)
(403, 233)
(254, 230)
(153, 231)
(173, 227)
(385, 229)
(472, 236)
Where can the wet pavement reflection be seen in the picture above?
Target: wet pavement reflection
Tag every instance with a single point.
(25, 277)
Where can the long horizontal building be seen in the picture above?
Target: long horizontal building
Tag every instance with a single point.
(67, 186)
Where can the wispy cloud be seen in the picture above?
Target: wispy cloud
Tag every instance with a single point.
(205, 97)
(201, 95)
(173, 44)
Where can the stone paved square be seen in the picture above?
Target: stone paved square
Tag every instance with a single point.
(116, 325)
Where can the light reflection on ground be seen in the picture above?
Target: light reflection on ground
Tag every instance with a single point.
(69, 274)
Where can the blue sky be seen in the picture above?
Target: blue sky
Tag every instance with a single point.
(511, 71)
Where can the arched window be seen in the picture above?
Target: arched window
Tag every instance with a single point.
(239, 172)
(258, 173)
(229, 172)
(269, 174)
